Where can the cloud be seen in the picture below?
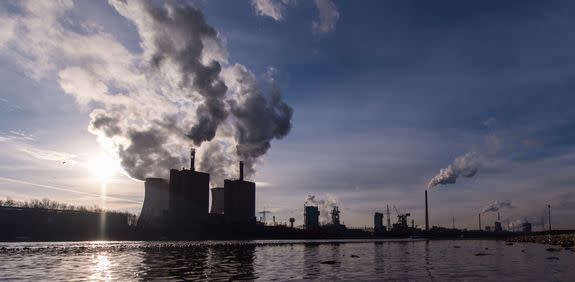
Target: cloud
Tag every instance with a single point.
(20, 141)
(270, 8)
(149, 106)
(328, 15)
(66, 189)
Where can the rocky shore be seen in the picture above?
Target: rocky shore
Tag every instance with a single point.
(563, 240)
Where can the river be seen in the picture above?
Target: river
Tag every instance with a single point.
(353, 260)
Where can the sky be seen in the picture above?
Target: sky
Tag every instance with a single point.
(358, 103)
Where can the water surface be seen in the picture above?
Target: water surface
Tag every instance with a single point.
(286, 260)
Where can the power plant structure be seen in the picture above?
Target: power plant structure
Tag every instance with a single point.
(182, 201)
(189, 194)
(426, 213)
(335, 216)
(497, 226)
(239, 200)
(378, 222)
(311, 217)
(526, 227)
(156, 203)
(218, 194)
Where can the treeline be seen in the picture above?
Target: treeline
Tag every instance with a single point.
(54, 205)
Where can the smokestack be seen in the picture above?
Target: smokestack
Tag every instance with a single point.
(480, 222)
(426, 213)
(192, 159)
(498, 217)
(241, 170)
(549, 207)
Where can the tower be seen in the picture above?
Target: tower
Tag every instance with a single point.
(239, 199)
(189, 194)
(427, 213)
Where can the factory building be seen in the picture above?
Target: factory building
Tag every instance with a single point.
(239, 199)
(378, 222)
(497, 227)
(311, 217)
(189, 194)
(217, 200)
(526, 227)
(156, 203)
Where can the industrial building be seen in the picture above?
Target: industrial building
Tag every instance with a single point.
(526, 227)
(189, 194)
(156, 203)
(378, 222)
(217, 200)
(239, 200)
(311, 217)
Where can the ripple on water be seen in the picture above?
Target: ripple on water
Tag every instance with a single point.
(282, 260)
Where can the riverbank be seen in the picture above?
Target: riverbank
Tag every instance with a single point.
(563, 240)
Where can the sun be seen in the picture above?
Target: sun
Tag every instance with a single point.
(104, 167)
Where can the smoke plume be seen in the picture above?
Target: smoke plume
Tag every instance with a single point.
(324, 206)
(149, 106)
(465, 165)
(496, 206)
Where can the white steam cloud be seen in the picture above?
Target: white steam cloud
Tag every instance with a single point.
(496, 206)
(325, 206)
(149, 106)
(465, 165)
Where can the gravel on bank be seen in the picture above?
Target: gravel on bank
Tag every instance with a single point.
(563, 240)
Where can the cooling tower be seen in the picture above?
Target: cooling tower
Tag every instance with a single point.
(217, 200)
(156, 202)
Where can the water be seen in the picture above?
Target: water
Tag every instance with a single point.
(285, 260)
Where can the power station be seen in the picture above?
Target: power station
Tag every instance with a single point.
(239, 200)
(182, 201)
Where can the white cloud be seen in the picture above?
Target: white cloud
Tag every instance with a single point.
(270, 8)
(21, 141)
(328, 16)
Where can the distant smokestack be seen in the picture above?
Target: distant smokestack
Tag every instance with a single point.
(241, 170)
(549, 208)
(498, 217)
(479, 222)
(426, 213)
(192, 159)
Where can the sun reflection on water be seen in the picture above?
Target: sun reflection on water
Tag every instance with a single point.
(101, 268)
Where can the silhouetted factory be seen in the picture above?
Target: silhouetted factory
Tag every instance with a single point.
(183, 201)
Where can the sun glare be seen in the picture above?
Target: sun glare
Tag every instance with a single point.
(104, 167)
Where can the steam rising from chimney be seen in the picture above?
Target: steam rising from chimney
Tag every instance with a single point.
(150, 105)
(496, 206)
(465, 165)
(324, 206)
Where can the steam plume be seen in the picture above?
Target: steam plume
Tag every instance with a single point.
(148, 106)
(465, 165)
(324, 206)
(496, 206)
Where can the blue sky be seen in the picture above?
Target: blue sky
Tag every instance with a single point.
(384, 95)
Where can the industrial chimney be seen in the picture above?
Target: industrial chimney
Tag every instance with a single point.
(192, 159)
(241, 170)
(426, 213)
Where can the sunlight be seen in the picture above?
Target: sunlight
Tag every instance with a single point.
(104, 167)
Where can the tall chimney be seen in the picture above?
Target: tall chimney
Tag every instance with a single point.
(241, 170)
(480, 222)
(426, 213)
(498, 217)
(192, 159)
(549, 209)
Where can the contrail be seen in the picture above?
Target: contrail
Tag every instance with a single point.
(64, 189)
